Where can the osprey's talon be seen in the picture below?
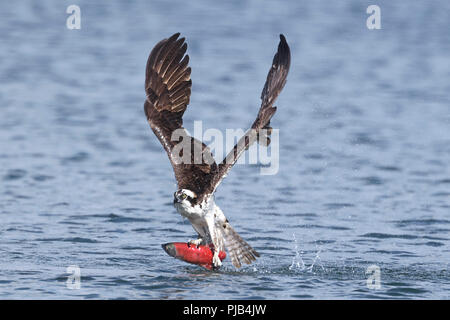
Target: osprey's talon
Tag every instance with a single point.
(196, 242)
(216, 260)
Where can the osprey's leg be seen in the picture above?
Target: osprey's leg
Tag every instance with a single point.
(199, 229)
(216, 260)
(215, 241)
(195, 242)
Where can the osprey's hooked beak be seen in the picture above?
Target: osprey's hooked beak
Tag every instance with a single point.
(176, 199)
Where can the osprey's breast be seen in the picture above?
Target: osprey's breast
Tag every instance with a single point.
(193, 213)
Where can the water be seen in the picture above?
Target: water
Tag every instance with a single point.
(364, 173)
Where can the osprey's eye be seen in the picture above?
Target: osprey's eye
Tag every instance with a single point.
(183, 196)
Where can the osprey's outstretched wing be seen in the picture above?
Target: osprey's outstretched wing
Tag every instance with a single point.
(168, 89)
(276, 79)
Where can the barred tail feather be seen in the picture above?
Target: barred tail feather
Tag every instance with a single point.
(238, 249)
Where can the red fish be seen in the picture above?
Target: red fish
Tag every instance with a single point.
(200, 255)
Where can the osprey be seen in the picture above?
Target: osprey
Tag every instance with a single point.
(168, 90)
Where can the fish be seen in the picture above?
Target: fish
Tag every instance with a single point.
(201, 255)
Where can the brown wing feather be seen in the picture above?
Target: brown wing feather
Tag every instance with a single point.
(276, 79)
(168, 89)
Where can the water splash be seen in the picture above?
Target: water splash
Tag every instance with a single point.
(297, 261)
(316, 259)
(299, 264)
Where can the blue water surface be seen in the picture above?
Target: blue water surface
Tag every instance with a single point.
(364, 176)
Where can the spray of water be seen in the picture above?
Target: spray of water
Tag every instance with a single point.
(299, 264)
(297, 261)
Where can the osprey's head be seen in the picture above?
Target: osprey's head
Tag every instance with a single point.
(185, 197)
